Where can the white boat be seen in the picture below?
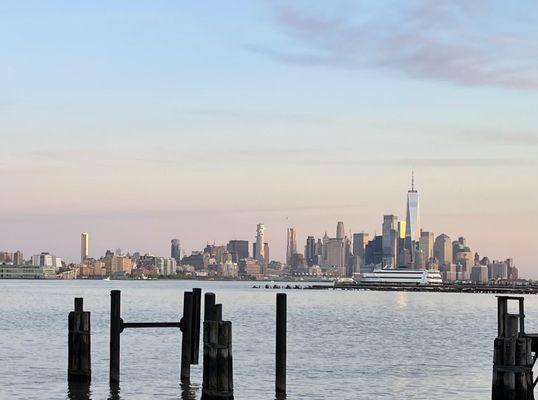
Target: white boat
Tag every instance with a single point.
(403, 276)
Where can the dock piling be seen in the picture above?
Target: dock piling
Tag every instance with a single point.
(186, 339)
(79, 344)
(281, 345)
(115, 331)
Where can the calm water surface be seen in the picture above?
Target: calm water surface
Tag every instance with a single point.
(341, 344)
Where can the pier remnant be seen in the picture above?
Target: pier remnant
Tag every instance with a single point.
(281, 345)
(79, 344)
(186, 325)
(218, 359)
(512, 354)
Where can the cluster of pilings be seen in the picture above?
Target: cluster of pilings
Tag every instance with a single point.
(217, 343)
(512, 354)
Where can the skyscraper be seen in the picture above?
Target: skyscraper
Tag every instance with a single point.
(84, 246)
(175, 250)
(442, 250)
(426, 244)
(291, 247)
(260, 244)
(360, 240)
(310, 251)
(340, 233)
(390, 240)
(239, 249)
(412, 221)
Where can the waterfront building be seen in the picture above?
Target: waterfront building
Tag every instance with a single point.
(250, 267)
(479, 274)
(426, 244)
(18, 258)
(84, 246)
(6, 257)
(120, 265)
(46, 260)
(291, 244)
(238, 249)
(21, 272)
(442, 249)
(265, 255)
(175, 250)
(498, 270)
(390, 240)
(198, 260)
(334, 254)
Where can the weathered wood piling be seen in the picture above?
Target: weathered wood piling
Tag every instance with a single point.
(79, 344)
(281, 345)
(512, 355)
(186, 339)
(218, 359)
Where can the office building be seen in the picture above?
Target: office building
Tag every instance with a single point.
(442, 249)
(412, 220)
(238, 249)
(426, 244)
(360, 240)
(340, 232)
(390, 240)
(310, 251)
(18, 258)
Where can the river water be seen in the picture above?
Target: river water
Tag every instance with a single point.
(341, 344)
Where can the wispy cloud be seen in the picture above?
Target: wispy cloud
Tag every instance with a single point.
(451, 41)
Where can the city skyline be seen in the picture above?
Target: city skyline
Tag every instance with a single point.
(139, 124)
(395, 241)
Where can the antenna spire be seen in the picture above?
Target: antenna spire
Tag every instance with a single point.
(412, 180)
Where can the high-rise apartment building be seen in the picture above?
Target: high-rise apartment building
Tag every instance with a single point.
(291, 244)
(260, 243)
(84, 246)
(175, 250)
(18, 258)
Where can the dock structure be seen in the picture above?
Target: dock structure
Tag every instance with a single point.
(514, 354)
(191, 311)
(217, 346)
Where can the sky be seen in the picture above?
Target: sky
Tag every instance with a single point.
(142, 121)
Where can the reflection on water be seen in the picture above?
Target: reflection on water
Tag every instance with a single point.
(78, 391)
(401, 300)
(114, 392)
(188, 391)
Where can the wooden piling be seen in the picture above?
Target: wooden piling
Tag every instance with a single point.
(115, 331)
(209, 302)
(196, 309)
(79, 344)
(509, 356)
(281, 348)
(186, 339)
(218, 361)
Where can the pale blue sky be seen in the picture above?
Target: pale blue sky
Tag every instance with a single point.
(140, 121)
